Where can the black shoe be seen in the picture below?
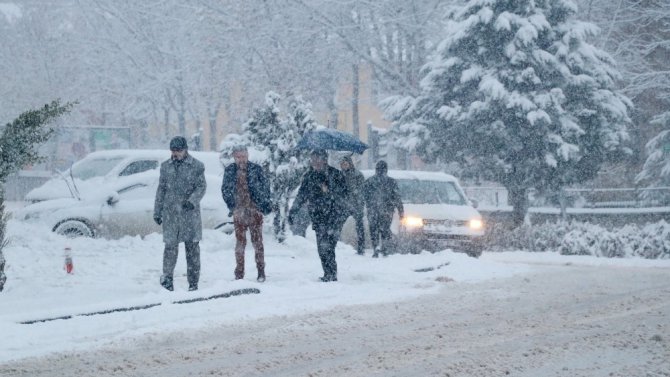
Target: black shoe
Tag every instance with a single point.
(360, 252)
(193, 287)
(166, 282)
(327, 279)
(375, 255)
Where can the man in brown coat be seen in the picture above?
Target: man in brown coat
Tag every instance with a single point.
(246, 191)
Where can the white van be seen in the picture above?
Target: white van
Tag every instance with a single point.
(438, 215)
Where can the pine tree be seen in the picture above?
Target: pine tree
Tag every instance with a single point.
(268, 130)
(19, 142)
(516, 94)
(656, 169)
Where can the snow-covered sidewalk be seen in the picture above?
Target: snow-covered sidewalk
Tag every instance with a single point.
(111, 274)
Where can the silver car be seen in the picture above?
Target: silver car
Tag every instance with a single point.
(124, 207)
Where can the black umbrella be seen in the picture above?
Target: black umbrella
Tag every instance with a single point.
(332, 139)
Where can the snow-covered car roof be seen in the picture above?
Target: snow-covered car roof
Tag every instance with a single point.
(415, 174)
(211, 160)
(96, 172)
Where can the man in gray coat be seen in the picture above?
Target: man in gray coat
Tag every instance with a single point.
(181, 187)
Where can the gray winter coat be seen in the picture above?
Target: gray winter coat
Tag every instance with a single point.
(180, 182)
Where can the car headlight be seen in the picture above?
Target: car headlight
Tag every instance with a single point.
(476, 224)
(412, 222)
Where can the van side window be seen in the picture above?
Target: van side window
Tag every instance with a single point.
(138, 167)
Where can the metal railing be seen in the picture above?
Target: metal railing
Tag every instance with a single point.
(633, 197)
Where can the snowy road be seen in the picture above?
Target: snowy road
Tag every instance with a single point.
(565, 321)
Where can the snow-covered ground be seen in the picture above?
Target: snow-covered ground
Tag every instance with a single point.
(121, 273)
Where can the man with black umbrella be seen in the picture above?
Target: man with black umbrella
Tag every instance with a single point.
(324, 190)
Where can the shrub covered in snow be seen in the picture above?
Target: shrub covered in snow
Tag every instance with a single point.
(651, 241)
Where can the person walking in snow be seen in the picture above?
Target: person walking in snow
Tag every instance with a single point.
(355, 181)
(3, 277)
(177, 208)
(246, 191)
(324, 189)
(382, 197)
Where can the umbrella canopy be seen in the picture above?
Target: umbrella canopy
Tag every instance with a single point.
(332, 139)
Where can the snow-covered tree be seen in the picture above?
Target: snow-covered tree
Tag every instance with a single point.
(19, 141)
(516, 94)
(637, 34)
(656, 170)
(267, 129)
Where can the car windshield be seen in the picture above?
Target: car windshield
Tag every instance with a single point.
(429, 192)
(87, 169)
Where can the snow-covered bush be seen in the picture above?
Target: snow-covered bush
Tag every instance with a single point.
(542, 237)
(651, 241)
(657, 237)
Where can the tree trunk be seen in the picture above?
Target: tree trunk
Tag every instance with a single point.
(332, 122)
(166, 122)
(280, 205)
(213, 130)
(518, 198)
(355, 101)
(3, 239)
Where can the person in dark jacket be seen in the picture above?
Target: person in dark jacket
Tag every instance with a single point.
(324, 190)
(355, 181)
(181, 187)
(3, 277)
(382, 197)
(246, 191)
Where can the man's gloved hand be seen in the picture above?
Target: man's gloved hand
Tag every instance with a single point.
(158, 220)
(187, 205)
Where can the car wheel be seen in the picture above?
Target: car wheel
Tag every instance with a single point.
(475, 252)
(73, 228)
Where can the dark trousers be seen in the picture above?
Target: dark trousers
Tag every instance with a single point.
(327, 236)
(380, 229)
(252, 220)
(192, 261)
(360, 231)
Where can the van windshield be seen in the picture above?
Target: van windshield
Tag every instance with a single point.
(429, 192)
(87, 169)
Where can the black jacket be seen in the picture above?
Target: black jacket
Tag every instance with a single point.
(259, 187)
(326, 207)
(355, 181)
(381, 195)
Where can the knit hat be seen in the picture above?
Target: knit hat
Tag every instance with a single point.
(348, 160)
(381, 167)
(178, 143)
(320, 153)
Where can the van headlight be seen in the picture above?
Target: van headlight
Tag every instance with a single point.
(476, 224)
(412, 222)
